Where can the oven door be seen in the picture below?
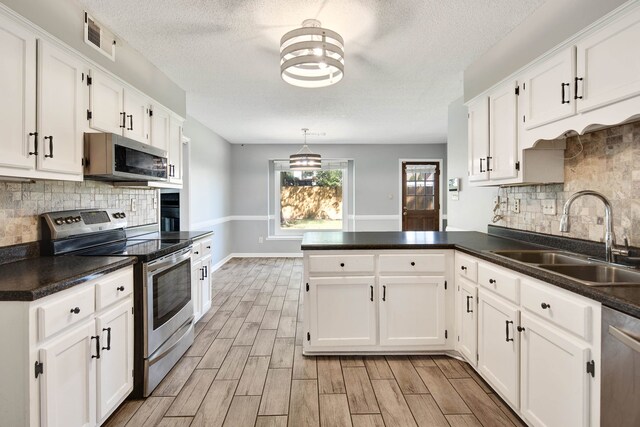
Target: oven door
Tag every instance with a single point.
(167, 302)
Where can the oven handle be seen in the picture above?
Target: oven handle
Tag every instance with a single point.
(625, 338)
(163, 351)
(168, 261)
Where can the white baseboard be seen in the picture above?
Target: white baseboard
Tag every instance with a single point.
(220, 263)
(226, 259)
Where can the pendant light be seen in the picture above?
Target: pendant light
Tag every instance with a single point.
(311, 56)
(305, 160)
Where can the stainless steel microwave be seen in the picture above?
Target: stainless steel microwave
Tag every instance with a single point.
(112, 157)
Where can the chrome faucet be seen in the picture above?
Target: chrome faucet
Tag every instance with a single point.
(611, 248)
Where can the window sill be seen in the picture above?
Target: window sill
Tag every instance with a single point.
(284, 237)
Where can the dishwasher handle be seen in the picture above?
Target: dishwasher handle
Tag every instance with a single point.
(625, 338)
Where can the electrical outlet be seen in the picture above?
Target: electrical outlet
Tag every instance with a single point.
(516, 205)
(155, 203)
(260, 239)
(133, 205)
(549, 207)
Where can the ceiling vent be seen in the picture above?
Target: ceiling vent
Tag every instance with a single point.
(98, 37)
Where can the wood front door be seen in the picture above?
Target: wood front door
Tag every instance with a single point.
(420, 196)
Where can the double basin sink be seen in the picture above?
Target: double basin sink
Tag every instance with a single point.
(592, 273)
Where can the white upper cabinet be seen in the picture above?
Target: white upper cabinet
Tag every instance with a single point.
(609, 64)
(547, 90)
(18, 88)
(160, 118)
(136, 108)
(478, 134)
(175, 151)
(59, 123)
(503, 132)
(106, 103)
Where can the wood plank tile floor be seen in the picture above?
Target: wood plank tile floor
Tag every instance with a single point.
(246, 368)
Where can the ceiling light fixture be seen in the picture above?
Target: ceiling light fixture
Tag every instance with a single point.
(311, 56)
(305, 160)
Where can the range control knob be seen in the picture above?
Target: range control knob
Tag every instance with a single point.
(122, 215)
(116, 214)
(59, 221)
(77, 219)
(68, 219)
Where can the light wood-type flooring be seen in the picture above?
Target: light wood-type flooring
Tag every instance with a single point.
(246, 368)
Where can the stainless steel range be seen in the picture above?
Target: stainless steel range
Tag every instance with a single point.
(163, 317)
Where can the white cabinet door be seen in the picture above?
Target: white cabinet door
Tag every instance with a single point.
(412, 310)
(68, 392)
(196, 289)
(478, 144)
(498, 345)
(160, 128)
(503, 132)
(342, 311)
(205, 284)
(546, 91)
(175, 151)
(115, 365)
(555, 384)
(468, 321)
(608, 64)
(106, 104)
(136, 109)
(18, 89)
(60, 109)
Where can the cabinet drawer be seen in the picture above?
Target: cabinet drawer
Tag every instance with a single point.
(554, 306)
(467, 267)
(341, 263)
(413, 263)
(196, 251)
(66, 311)
(205, 246)
(500, 281)
(113, 287)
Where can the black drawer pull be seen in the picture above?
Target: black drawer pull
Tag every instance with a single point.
(506, 329)
(413, 264)
(97, 338)
(50, 138)
(108, 347)
(520, 329)
(463, 268)
(371, 295)
(75, 310)
(384, 293)
(342, 264)
(469, 297)
(544, 305)
(120, 288)
(492, 281)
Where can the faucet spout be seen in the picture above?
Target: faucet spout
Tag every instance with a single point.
(609, 238)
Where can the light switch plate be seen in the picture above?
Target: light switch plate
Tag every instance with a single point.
(549, 207)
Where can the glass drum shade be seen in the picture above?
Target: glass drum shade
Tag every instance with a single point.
(311, 56)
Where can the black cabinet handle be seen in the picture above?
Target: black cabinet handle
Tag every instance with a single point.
(208, 247)
(123, 123)
(413, 264)
(120, 288)
(342, 264)
(35, 143)
(130, 116)
(206, 271)
(463, 268)
(469, 297)
(202, 274)
(75, 310)
(384, 293)
(108, 347)
(492, 281)
(196, 252)
(489, 167)
(481, 160)
(575, 88)
(520, 329)
(97, 338)
(544, 305)
(371, 295)
(506, 329)
(50, 138)
(562, 87)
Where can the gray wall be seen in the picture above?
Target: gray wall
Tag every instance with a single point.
(474, 209)
(64, 19)
(376, 177)
(208, 184)
(554, 22)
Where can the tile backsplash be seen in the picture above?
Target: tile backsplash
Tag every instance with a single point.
(21, 203)
(607, 161)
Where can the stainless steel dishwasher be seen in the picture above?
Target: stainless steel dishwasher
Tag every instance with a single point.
(620, 370)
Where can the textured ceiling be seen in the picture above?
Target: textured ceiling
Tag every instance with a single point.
(403, 62)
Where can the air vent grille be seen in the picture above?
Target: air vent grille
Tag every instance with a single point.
(98, 37)
(93, 32)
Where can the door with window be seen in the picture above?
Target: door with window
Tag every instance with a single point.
(420, 196)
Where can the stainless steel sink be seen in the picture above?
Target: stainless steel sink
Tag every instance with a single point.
(542, 257)
(597, 275)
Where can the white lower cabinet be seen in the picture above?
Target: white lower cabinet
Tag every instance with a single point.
(342, 312)
(468, 321)
(201, 264)
(555, 384)
(412, 310)
(498, 345)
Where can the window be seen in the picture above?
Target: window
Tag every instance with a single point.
(310, 200)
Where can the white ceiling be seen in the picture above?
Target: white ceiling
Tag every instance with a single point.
(403, 62)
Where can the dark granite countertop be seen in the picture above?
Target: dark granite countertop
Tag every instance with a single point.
(34, 278)
(622, 298)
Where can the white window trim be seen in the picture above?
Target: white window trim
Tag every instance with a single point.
(439, 162)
